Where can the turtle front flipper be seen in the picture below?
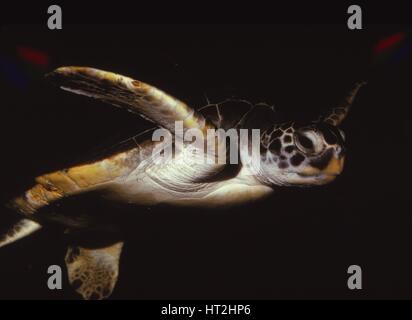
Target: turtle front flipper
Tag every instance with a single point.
(93, 272)
(133, 95)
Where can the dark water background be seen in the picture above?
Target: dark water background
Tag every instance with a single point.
(297, 244)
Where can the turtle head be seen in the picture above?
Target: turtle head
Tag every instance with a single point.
(306, 154)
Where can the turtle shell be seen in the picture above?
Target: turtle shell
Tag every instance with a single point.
(239, 114)
(228, 114)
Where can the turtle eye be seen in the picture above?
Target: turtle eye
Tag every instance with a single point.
(309, 142)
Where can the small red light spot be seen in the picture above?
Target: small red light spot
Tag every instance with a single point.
(33, 56)
(389, 42)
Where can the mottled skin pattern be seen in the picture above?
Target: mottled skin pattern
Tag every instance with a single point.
(93, 272)
(290, 154)
(291, 145)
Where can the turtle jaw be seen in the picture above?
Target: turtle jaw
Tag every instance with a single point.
(315, 176)
(333, 168)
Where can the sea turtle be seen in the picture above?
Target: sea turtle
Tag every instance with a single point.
(289, 154)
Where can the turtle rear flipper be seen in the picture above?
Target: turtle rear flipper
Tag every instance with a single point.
(20, 229)
(93, 272)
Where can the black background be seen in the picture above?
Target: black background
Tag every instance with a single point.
(297, 244)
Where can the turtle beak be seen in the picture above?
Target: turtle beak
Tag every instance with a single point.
(326, 168)
(338, 114)
(335, 166)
